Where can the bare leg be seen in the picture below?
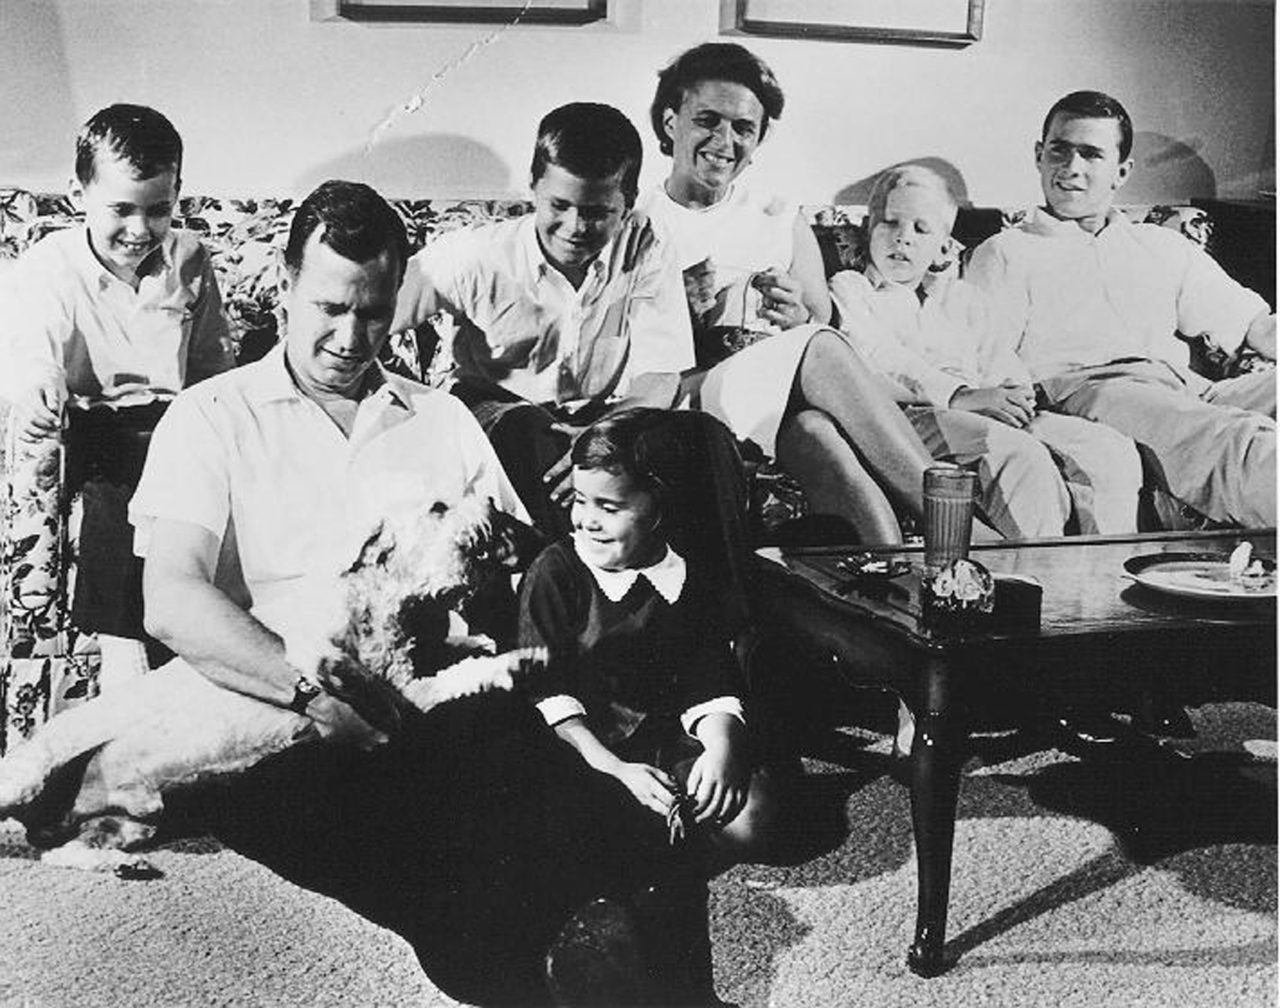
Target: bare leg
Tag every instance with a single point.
(812, 449)
(832, 378)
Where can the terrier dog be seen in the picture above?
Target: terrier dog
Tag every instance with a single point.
(90, 785)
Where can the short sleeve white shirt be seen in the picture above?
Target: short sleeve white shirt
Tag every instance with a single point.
(523, 326)
(67, 319)
(246, 453)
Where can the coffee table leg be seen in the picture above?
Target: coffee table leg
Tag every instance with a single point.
(936, 757)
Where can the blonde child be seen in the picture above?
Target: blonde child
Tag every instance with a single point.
(953, 367)
(116, 316)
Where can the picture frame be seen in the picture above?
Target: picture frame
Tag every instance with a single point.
(936, 23)
(536, 12)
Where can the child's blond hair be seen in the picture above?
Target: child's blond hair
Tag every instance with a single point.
(908, 175)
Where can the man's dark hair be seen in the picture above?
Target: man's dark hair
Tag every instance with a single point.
(353, 220)
(139, 136)
(591, 141)
(714, 61)
(1093, 105)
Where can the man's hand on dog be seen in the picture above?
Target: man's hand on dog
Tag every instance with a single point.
(337, 721)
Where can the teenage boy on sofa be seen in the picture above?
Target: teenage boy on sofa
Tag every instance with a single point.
(1097, 300)
(966, 393)
(117, 316)
(563, 315)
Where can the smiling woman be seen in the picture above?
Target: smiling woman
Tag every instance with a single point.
(758, 297)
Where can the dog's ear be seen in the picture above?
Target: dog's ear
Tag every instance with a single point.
(515, 544)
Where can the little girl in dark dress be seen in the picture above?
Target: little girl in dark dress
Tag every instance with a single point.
(642, 680)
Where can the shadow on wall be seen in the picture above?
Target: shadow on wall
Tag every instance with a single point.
(1166, 170)
(433, 164)
(859, 193)
(37, 117)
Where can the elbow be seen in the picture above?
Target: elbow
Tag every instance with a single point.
(160, 616)
(157, 624)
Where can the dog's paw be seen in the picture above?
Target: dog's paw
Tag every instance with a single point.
(82, 857)
(470, 676)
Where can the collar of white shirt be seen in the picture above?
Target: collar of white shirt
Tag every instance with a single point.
(932, 284)
(1042, 222)
(667, 576)
(272, 382)
(93, 269)
(540, 266)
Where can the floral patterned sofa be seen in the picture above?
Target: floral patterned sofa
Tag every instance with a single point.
(45, 662)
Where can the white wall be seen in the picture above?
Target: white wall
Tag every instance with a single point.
(270, 99)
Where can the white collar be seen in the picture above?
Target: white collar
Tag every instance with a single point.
(667, 576)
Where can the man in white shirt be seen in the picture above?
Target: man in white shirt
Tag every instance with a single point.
(1098, 301)
(561, 316)
(466, 833)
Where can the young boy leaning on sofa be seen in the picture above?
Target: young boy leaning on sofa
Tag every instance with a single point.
(953, 367)
(110, 321)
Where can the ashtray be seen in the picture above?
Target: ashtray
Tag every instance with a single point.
(868, 565)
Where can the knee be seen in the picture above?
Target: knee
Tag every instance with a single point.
(830, 351)
(750, 835)
(808, 424)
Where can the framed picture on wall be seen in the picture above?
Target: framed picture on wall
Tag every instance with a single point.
(901, 22)
(563, 12)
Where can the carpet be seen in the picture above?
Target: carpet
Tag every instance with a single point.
(1075, 884)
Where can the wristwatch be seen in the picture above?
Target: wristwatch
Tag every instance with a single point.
(304, 691)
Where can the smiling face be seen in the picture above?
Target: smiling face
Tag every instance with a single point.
(576, 217)
(615, 519)
(339, 314)
(127, 217)
(910, 235)
(1081, 169)
(714, 133)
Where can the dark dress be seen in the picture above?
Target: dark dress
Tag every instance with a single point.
(635, 665)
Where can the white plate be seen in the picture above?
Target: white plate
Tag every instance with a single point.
(1199, 575)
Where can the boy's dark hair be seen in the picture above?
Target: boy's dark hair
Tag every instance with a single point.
(139, 136)
(355, 222)
(1093, 105)
(591, 141)
(714, 61)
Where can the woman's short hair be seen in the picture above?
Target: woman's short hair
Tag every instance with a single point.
(714, 61)
(1093, 105)
(355, 222)
(137, 135)
(591, 141)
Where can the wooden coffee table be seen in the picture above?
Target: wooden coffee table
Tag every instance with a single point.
(1099, 636)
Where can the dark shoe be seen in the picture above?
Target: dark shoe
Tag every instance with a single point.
(596, 960)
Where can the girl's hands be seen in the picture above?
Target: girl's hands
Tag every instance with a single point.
(653, 788)
(782, 299)
(718, 784)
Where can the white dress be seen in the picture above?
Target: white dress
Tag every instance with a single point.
(743, 234)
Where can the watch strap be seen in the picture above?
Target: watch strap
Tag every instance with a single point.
(304, 691)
